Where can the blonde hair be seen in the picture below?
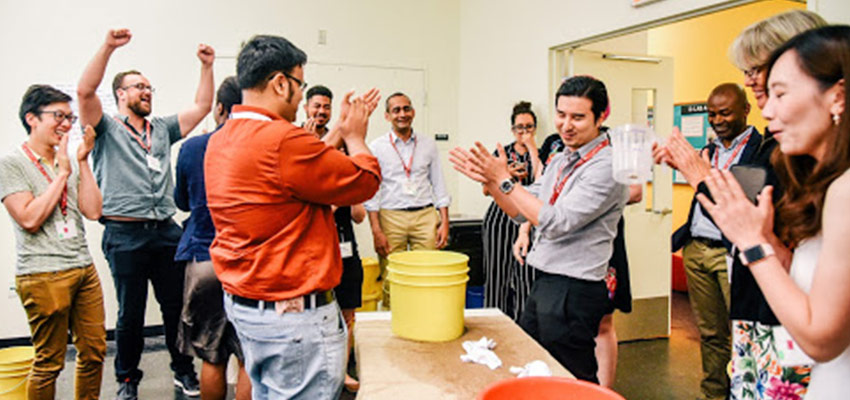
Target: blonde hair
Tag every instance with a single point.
(753, 46)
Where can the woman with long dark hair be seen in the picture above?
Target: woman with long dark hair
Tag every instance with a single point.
(806, 108)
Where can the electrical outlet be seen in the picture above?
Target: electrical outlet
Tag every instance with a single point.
(323, 36)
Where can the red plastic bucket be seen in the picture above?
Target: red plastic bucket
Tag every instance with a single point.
(547, 388)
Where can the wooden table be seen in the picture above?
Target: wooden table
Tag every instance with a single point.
(393, 368)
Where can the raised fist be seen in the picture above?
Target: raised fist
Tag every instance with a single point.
(206, 54)
(118, 37)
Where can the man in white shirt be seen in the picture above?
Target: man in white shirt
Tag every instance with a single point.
(402, 213)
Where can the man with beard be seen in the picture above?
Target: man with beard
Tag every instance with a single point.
(318, 110)
(704, 253)
(133, 169)
(403, 212)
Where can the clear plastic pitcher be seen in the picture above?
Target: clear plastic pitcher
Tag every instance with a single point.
(632, 147)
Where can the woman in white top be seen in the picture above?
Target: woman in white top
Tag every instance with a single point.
(806, 109)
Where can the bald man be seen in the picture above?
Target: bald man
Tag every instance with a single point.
(704, 253)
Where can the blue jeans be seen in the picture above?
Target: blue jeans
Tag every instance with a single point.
(294, 355)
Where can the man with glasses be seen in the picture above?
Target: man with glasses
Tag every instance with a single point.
(133, 168)
(47, 196)
(276, 251)
(402, 213)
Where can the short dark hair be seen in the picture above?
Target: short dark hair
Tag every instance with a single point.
(392, 96)
(589, 88)
(263, 56)
(319, 90)
(38, 96)
(523, 107)
(228, 94)
(119, 80)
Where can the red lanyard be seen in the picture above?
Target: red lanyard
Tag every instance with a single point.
(132, 131)
(559, 186)
(63, 203)
(407, 168)
(732, 158)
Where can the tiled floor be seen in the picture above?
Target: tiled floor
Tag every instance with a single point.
(648, 370)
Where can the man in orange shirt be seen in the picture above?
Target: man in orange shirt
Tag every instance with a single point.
(269, 186)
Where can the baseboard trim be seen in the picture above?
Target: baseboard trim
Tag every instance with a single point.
(649, 319)
(149, 331)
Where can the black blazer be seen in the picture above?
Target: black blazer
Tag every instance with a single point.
(683, 235)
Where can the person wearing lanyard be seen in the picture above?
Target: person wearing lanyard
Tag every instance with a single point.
(132, 165)
(575, 206)
(402, 213)
(47, 197)
(703, 251)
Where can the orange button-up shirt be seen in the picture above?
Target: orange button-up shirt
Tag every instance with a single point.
(269, 187)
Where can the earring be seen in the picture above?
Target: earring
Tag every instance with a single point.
(836, 119)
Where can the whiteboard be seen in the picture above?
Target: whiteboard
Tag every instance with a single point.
(342, 77)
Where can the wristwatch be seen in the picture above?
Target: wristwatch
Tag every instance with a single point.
(756, 253)
(506, 186)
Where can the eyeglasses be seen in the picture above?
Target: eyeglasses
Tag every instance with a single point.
(753, 72)
(302, 84)
(60, 116)
(141, 87)
(523, 128)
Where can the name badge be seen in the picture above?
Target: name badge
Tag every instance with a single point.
(409, 188)
(346, 249)
(789, 352)
(66, 230)
(153, 163)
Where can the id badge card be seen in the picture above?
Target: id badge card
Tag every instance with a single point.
(787, 350)
(66, 230)
(346, 249)
(153, 163)
(409, 188)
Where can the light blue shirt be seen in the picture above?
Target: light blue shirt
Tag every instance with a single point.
(701, 226)
(426, 177)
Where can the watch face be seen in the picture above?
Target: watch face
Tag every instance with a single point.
(506, 186)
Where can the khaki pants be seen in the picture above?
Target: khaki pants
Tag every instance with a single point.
(56, 302)
(708, 290)
(416, 229)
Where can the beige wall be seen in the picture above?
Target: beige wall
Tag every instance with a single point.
(407, 33)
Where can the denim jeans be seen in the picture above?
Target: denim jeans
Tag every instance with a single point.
(294, 355)
(139, 252)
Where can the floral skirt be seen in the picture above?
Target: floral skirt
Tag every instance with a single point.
(755, 371)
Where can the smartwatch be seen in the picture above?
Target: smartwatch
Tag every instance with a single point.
(756, 253)
(506, 186)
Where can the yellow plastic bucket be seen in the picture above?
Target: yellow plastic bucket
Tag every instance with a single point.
(369, 302)
(15, 364)
(16, 358)
(428, 312)
(423, 277)
(371, 272)
(428, 261)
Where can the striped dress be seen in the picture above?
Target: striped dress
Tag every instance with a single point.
(506, 282)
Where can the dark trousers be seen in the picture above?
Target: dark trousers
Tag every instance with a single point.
(139, 252)
(563, 315)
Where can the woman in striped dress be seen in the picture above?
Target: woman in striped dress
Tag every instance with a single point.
(506, 282)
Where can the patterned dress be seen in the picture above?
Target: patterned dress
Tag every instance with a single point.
(506, 282)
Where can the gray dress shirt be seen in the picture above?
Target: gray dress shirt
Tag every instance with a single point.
(575, 235)
(131, 188)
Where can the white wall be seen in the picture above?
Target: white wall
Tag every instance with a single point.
(835, 11)
(51, 43)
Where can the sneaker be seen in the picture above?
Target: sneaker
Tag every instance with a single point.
(128, 390)
(188, 382)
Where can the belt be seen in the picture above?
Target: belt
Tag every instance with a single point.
(312, 300)
(419, 208)
(710, 242)
(148, 224)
